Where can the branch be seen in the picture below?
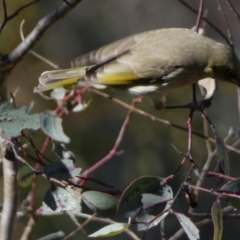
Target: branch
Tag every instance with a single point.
(160, 120)
(233, 9)
(115, 148)
(42, 26)
(199, 16)
(180, 232)
(9, 161)
(10, 195)
(7, 18)
(206, 20)
(230, 38)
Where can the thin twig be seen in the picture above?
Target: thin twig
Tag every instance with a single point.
(199, 16)
(230, 38)
(42, 26)
(180, 232)
(182, 185)
(79, 228)
(28, 229)
(114, 149)
(35, 54)
(218, 193)
(7, 18)
(160, 120)
(10, 196)
(207, 21)
(233, 9)
(107, 220)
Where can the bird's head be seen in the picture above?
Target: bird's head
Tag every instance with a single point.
(224, 65)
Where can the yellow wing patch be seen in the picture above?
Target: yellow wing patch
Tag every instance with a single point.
(55, 84)
(118, 78)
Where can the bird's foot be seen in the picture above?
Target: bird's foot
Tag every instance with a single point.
(197, 106)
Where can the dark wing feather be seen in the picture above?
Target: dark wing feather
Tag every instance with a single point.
(105, 53)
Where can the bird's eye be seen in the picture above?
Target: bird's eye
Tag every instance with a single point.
(230, 73)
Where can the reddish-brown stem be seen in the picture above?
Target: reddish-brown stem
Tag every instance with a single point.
(215, 192)
(114, 150)
(154, 118)
(37, 165)
(199, 16)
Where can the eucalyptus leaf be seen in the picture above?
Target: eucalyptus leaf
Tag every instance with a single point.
(25, 176)
(13, 121)
(217, 218)
(58, 200)
(110, 230)
(222, 156)
(130, 201)
(188, 226)
(100, 202)
(51, 125)
(234, 188)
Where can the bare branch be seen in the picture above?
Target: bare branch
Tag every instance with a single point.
(7, 18)
(207, 21)
(79, 228)
(233, 9)
(115, 148)
(35, 54)
(42, 26)
(10, 166)
(160, 120)
(226, 23)
(200, 15)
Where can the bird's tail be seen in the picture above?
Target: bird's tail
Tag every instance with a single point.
(59, 78)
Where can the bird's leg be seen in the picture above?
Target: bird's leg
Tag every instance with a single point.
(201, 105)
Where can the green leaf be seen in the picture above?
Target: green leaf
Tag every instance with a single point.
(110, 230)
(217, 220)
(13, 121)
(130, 201)
(146, 200)
(100, 202)
(61, 170)
(149, 220)
(51, 125)
(58, 200)
(223, 161)
(188, 226)
(234, 188)
(25, 176)
(76, 193)
(150, 200)
(156, 207)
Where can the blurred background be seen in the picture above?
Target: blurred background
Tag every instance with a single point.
(146, 146)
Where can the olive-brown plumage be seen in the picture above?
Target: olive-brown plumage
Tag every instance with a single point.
(151, 63)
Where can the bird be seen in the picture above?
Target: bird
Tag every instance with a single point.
(150, 64)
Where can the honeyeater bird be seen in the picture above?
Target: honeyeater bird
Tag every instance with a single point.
(150, 64)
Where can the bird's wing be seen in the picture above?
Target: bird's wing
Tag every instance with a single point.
(134, 60)
(105, 53)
